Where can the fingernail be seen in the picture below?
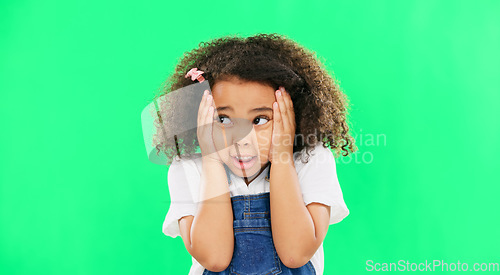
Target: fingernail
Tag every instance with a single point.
(278, 93)
(282, 88)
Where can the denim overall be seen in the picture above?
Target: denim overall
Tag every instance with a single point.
(254, 251)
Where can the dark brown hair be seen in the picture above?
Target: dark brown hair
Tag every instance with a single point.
(321, 108)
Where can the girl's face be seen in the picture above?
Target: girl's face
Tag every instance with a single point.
(243, 125)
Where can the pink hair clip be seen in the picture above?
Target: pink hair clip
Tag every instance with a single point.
(195, 75)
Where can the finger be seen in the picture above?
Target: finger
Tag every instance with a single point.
(211, 131)
(201, 108)
(289, 107)
(210, 115)
(291, 110)
(219, 133)
(208, 103)
(209, 118)
(277, 120)
(283, 111)
(209, 122)
(286, 98)
(289, 102)
(215, 113)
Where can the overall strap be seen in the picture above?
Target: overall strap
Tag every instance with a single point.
(268, 172)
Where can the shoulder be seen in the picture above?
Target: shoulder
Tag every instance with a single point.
(184, 175)
(185, 165)
(319, 158)
(318, 175)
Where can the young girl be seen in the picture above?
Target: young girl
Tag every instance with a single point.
(259, 195)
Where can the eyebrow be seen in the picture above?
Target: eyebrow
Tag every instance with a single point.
(260, 109)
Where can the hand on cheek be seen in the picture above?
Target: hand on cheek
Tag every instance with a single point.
(281, 150)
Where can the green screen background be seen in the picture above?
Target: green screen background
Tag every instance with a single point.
(79, 196)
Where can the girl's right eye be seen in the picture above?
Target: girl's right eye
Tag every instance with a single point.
(223, 120)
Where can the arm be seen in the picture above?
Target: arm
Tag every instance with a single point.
(298, 230)
(208, 236)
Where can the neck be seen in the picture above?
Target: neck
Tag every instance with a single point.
(246, 179)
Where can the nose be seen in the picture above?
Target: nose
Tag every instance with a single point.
(245, 138)
(244, 141)
(243, 133)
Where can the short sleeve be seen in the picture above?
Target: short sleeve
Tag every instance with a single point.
(319, 183)
(182, 177)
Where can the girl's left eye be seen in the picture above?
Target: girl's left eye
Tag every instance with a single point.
(259, 120)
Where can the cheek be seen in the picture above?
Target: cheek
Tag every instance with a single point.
(264, 139)
(220, 138)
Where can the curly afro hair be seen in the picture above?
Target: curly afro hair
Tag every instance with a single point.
(321, 108)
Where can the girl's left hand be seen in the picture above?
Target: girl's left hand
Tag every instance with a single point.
(283, 136)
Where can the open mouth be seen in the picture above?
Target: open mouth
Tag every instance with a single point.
(244, 163)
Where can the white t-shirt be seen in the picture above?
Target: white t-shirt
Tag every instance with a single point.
(317, 178)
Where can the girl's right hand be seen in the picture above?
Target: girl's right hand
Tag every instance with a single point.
(205, 128)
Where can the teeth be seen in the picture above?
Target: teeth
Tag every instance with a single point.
(244, 158)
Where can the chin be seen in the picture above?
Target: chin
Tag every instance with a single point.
(239, 173)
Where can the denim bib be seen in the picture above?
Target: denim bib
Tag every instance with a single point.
(254, 251)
